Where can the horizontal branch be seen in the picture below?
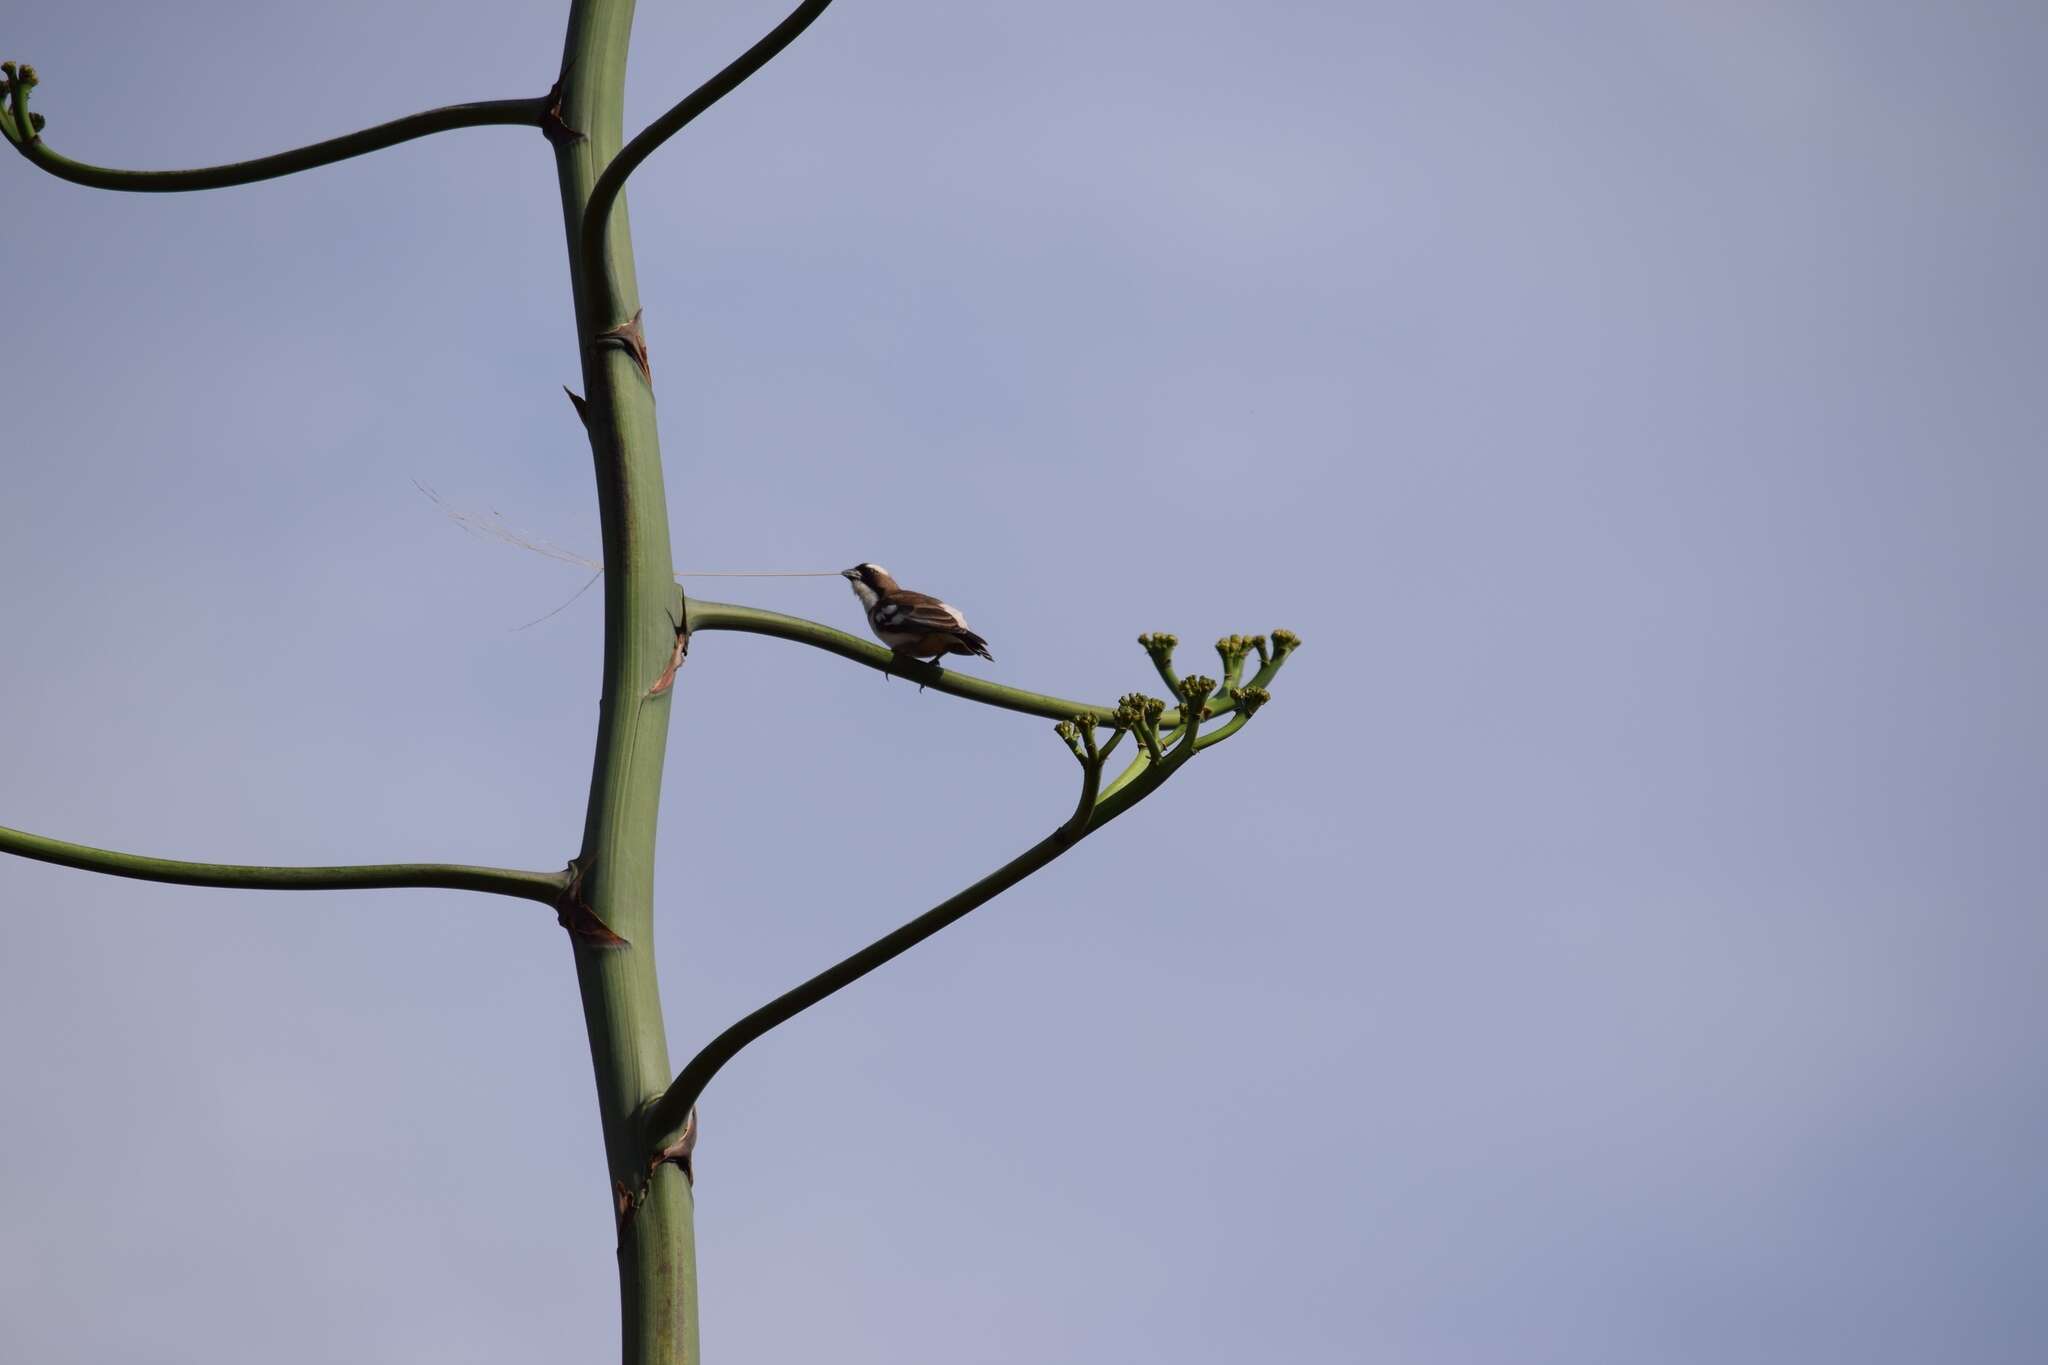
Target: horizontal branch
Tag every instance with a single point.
(24, 131)
(727, 616)
(597, 209)
(533, 886)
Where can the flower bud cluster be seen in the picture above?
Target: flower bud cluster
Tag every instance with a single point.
(1250, 699)
(1234, 650)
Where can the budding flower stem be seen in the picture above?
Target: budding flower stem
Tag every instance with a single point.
(1224, 731)
(1139, 765)
(1116, 737)
(1264, 676)
(1091, 785)
(1232, 649)
(1159, 646)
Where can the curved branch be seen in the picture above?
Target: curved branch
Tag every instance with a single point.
(703, 615)
(22, 129)
(545, 887)
(1223, 732)
(1081, 739)
(666, 1117)
(597, 210)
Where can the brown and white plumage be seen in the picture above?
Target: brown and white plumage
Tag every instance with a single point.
(911, 623)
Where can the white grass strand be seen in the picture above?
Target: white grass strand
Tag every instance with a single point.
(491, 526)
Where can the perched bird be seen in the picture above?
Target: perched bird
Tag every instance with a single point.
(911, 623)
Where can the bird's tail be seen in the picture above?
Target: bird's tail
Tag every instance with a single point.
(970, 643)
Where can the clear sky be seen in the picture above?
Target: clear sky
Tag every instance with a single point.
(1621, 940)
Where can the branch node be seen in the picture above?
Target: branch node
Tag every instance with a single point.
(682, 1151)
(675, 658)
(573, 913)
(633, 338)
(1080, 736)
(1140, 715)
(553, 126)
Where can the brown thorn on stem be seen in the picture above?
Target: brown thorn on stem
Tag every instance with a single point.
(633, 337)
(582, 407)
(552, 125)
(680, 1151)
(625, 1202)
(573, 913)
(675, 660)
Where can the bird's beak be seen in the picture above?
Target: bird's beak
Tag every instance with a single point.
(849, 573)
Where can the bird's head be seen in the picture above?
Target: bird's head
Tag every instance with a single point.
(870, 582)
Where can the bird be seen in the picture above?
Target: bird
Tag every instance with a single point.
(910, 623)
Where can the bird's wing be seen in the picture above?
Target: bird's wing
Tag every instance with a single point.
(915, 611)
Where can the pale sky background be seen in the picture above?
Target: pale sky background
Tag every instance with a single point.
(1621, 940)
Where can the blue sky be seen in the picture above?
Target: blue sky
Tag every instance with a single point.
(1620, 940)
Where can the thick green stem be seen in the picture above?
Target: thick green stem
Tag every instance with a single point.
(621, 1002)
(503, 881)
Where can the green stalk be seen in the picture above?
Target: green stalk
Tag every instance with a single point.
(23, 130)
(667, 1116)
(621, 1000)
(754, 621)
(545, 887)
